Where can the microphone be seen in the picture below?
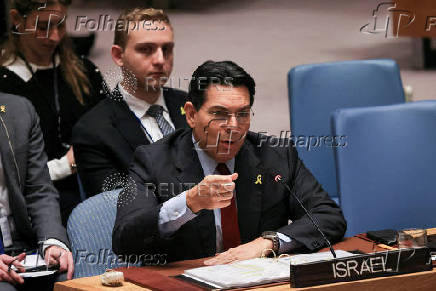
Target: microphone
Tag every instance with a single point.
(278, 179)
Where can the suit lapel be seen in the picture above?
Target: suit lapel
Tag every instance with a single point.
(175, 108)
(190, 171)
(125, 121)
(249, 189)
(187, 162)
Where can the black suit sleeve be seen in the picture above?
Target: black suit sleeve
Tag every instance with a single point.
(93, 164)
(42, 199)
(136, 226)
(323, 209)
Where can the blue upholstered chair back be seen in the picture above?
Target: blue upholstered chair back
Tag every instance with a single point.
(316, 90)
(90, 232)
(386, 173)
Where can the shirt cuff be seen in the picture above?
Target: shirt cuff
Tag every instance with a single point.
(173, 214)
(53, 242)
(285, 243)
(59, 168)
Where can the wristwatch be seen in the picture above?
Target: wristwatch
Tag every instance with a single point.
(73, 167)
(272, 235)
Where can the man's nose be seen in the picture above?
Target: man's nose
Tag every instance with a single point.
(158, 58)
(232, 121)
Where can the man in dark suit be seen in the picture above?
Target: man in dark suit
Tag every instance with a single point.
(29, 203)
(139, 111)
(211, 189)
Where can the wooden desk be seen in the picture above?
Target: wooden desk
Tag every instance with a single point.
(93, 284)
(423, 281)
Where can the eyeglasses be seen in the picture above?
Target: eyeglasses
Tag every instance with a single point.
(241, 116)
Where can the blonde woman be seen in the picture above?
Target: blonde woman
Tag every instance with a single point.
(37, 62)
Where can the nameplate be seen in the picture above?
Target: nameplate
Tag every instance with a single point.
(358, 267)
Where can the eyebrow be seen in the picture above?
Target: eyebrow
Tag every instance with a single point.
(153, 44)
(44, 9)
(52, 13)
(218, 107)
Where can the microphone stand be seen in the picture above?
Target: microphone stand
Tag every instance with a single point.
(279, 179)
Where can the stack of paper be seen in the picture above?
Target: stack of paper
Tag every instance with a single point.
(242, 274)
(255, 271)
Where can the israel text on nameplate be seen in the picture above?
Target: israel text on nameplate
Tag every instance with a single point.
(358, 267)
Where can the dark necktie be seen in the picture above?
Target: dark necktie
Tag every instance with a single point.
(229, 218)
(156, 111)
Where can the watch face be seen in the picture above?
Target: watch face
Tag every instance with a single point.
(272, 235)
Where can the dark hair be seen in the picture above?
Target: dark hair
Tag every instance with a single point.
(225, 73)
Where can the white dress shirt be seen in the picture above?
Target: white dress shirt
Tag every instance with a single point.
(139, 107)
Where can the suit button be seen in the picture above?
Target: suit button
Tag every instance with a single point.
(315, 244)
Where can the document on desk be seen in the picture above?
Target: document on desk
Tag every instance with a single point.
(254, 271)
(241, 274)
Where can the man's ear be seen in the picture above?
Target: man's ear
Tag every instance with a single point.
(16, 19)
(117, 53)
(190, 113)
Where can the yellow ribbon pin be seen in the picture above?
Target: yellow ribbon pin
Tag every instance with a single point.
(3, 108)
(258, 180)
(182, 111)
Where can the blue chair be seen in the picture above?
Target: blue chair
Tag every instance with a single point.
(89, 230)
(316, 90)
(386, 172)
